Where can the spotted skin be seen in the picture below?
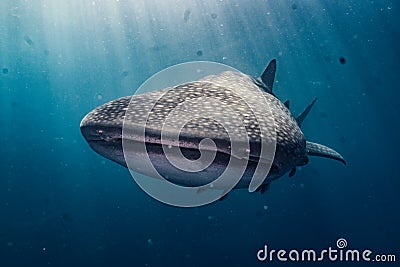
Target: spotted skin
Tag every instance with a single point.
(102, 127)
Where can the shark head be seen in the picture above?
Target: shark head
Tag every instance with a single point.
(102, 129)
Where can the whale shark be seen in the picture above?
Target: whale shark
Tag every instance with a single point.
(103, 129)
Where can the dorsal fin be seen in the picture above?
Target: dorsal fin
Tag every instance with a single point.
(304, 114)
(268, 76)
(314, 149)
(287, 104)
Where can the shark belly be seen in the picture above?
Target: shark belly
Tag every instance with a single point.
(162, 165)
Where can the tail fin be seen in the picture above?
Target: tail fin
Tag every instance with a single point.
(314, 149)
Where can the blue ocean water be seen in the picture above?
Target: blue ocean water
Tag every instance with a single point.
(61, 204)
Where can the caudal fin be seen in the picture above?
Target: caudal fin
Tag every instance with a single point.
(314, 149)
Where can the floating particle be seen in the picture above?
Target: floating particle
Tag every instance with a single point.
(186, 15)
(150, 242)
(294, 6)
(66, 217)
(323, 114)
(158, 47)
(214, 16)
(265, 207)
(99, 97)
(4, 71)
(327, 58)
(342, 60)
(199, 53)
(28, 40)
(124, 73)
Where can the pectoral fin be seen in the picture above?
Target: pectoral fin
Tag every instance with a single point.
(292, 172)
(263, 188)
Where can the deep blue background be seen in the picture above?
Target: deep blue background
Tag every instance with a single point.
(61, 204)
